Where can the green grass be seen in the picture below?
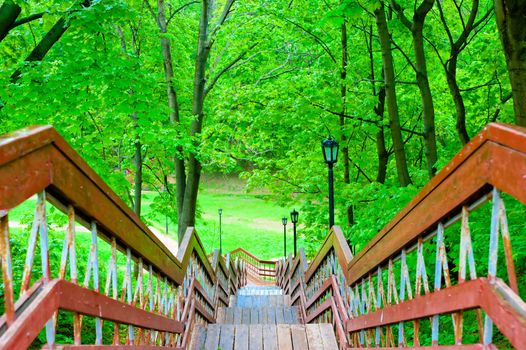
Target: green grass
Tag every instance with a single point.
(251, 221)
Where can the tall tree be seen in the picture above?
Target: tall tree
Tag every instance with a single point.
(173, 103)
(390, 90)
(456, 46)
(416, 27)
(510, 16)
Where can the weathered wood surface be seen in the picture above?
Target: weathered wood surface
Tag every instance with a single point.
(267, 337)
(260, 315)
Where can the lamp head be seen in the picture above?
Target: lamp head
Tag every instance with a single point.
(329, 147)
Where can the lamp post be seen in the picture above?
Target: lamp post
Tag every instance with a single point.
(294, 218)
(330, 155)
(284, 222)
(220, 211)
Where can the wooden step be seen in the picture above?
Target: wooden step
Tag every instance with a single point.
(261, 315)
(262, 300)
(264, 337)
(260, 290)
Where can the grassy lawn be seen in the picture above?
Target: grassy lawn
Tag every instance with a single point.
(250, 221)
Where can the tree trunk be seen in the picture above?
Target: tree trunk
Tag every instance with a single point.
(173, 104)
(390, 89)
(9, 12)
(427, 98)
(343, 96)
(138, 162)
(137, 158)
(47, 42)
(194, 164)
(510, 15)
(454, 89)
(381, 150)
(416, 27)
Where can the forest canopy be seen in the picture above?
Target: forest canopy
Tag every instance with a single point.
(154, 93)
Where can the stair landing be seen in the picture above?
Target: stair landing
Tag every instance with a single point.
(261, 318)
(264, 337)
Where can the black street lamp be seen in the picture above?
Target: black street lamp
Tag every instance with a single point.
(220, 211)
(294, 218)
(330, 154)
(284, 222)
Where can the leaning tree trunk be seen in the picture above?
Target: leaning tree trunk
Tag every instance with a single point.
(381, 150)
(454, 89)
(390, 89)
(427, 98)
(416, 26)
(9, 12)
(510, 15)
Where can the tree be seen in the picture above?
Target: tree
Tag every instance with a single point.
(416, 27)
(390, 90)
(510, 22)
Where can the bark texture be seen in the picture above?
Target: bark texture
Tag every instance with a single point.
(9, 12)
(416, 26)
(511, 22)
(390, 89)
(450, 65)
(173, 104)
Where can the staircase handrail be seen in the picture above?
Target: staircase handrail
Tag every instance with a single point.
(38, 161)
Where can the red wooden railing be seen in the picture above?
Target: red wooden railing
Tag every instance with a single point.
(151, 296)
(370, 308)
(379, 299)
(262, 270)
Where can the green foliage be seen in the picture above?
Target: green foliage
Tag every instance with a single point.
(266, 117)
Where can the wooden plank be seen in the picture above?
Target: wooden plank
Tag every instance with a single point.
(241, 301)
(294, 314)
(327, 336)
(229, 315)
(241, 337)
(314, 336)
(299, 338)
(286, 300)
(246, 316)
(212, 336)
(254, 315)
(198, 338)
(237, 315)
(226, 337)
(255, 341)
(271, 315)
(284, 337)
(279, 315)
(287, 315)
(263, 316)
(270, 338)
(220, 315)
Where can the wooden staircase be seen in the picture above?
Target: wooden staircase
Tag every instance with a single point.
(261, 318)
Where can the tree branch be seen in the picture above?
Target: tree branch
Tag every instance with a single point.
(172, 15)
(228, 67)
(27, 19)
(315, 37)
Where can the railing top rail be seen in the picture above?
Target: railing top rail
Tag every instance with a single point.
(37, 158)
(495, 157)
(336, 240)
(241, 250)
